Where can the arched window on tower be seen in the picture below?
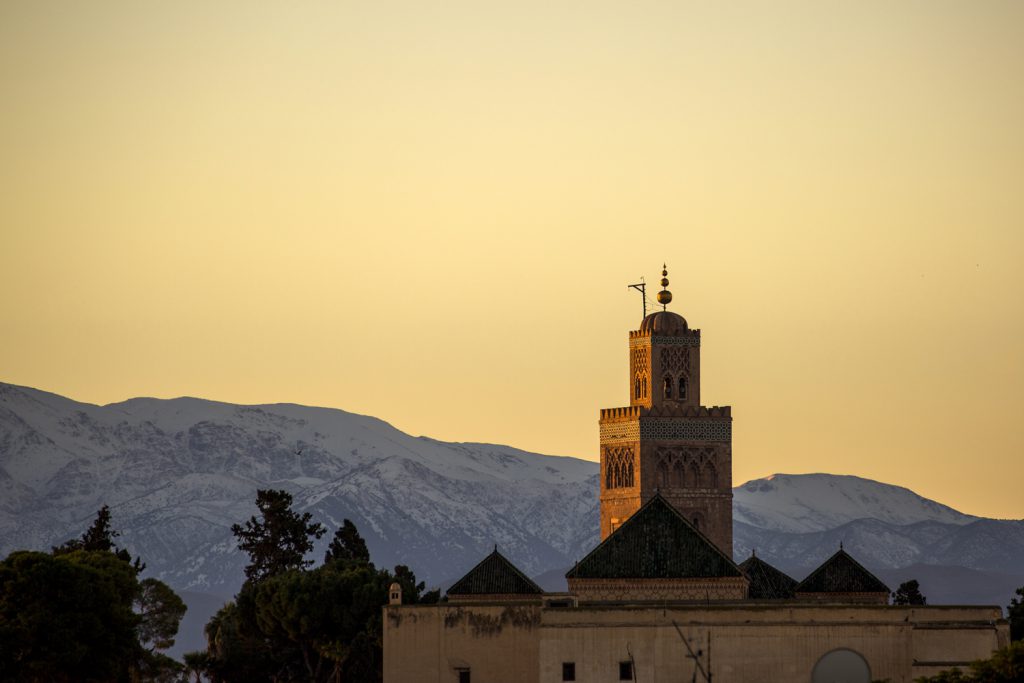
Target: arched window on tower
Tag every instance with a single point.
(663, 482)
(636, 387)
(682, 388)
(678, 474)
(668, 387)
(709, 477)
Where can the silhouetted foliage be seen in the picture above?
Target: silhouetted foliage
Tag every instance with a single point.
(160, 611)
(299, 624)
(908, 593)
(279, 539)
(99, 537)
(81, 614)
(196, 664)
(412, 592)
(1015, 615)
(1004, 666)
(347, 546)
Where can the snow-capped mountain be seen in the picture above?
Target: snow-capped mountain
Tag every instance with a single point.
(797, 521)
(800, 503)
(178, 473)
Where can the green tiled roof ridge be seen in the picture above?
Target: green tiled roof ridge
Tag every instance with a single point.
(678, 549)
(495, 575)
(841, 574)
(766, 581)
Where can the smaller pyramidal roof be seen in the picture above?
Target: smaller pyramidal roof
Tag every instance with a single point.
(841, 574)
(657, 542)
(495, 575)
(766, 582)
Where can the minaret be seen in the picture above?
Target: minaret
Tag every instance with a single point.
(666, 441)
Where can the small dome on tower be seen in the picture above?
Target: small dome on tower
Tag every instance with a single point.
(664, 322)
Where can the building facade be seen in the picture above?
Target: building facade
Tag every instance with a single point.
(660, 598)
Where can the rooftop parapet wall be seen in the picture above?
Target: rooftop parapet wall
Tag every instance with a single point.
(635, 412)
(647, 338)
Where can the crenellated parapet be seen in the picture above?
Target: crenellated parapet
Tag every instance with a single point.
(629, 413)
(623, 414)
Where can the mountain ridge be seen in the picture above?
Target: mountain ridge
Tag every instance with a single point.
(178, 472)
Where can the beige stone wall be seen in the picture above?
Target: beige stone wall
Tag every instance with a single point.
(430, 643)
(750, 641)
(881, 598)
(760, 642)
(626, 590)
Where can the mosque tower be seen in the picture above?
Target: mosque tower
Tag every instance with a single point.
(666, 441)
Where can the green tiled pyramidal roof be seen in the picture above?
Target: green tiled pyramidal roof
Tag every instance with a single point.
(766, 582)
(494, 575)
(655, 543)
(841, 574)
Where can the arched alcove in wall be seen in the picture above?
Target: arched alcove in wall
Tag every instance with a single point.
(841, 666)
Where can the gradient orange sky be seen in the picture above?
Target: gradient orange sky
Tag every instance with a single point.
(429, 212)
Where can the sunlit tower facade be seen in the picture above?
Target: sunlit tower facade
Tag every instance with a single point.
(665, 440)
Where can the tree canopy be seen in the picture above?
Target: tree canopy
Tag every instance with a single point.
(293, 623)
(279, 539)
(1015, 615)
(347, 546)
(908, 593)
(1004, 666)
(80, 613)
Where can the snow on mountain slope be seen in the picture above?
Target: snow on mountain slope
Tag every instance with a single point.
(177, 473)
(800, 503)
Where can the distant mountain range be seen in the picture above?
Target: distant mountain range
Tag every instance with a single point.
(178, 473)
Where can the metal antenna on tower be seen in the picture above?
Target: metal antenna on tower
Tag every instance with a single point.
(642, 288)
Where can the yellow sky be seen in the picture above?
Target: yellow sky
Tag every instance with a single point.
(429, 212)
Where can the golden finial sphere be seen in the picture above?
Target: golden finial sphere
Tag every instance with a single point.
(664, 282)
(664, 297)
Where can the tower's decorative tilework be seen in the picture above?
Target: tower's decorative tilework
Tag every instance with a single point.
(620, 431)
(668, 429)
(675, 360)
(676, 341)
(690, 430)
(687, 467)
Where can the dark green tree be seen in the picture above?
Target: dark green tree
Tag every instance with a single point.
(326, 615)
(196, 664)
(67, 617)
(278, 540)
(99, 537)
(1004, 666)
(160, 611)
(412, 592)
(236, 650)
(909, 593)
(1015, 615)
(347, 546)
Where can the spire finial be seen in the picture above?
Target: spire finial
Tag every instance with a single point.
(840, 545)
(664, 296)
